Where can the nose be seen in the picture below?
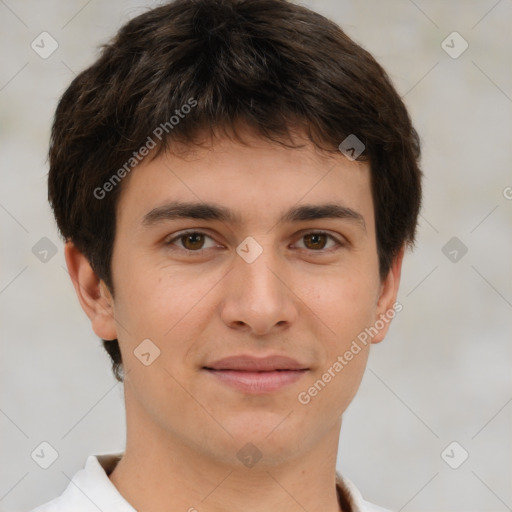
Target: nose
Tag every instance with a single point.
(258, 299)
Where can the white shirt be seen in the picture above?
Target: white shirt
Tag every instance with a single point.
(91, 490)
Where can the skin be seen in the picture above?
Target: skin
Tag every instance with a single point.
(304, 297)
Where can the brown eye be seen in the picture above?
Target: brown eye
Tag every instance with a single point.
(319, 241)
(192, 241)
(315, 241)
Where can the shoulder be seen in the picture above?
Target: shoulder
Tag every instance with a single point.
(90, 490)
(371, 507)
(354, 500)
(55, 505)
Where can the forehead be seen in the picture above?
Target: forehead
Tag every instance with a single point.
(260, 180)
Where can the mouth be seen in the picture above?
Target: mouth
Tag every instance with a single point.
(256, 375)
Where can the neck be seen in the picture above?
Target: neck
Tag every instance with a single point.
(159, 471)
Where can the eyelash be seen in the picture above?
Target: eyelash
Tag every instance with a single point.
(182, 234)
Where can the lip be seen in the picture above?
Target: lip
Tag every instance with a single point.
(249, 363)
(255, 375)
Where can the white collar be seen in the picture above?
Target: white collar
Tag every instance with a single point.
(91, 490)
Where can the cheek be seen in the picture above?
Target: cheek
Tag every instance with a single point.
(344, 302)
(343, 308)
(163, 305)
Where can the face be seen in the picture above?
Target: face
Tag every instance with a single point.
(255, 253)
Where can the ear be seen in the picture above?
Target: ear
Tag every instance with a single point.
(385, 311)
(94, 296)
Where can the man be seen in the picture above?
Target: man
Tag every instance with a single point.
(236, 182)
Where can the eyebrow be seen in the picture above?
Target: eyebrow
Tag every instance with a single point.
(208, 211)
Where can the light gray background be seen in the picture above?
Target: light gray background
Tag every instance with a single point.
(444, 372)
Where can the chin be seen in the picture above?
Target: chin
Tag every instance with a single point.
(272, 433)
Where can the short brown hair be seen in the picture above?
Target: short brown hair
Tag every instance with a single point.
(270, 64)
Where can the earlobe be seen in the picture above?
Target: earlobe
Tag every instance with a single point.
(386, 305)
(94, 296)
